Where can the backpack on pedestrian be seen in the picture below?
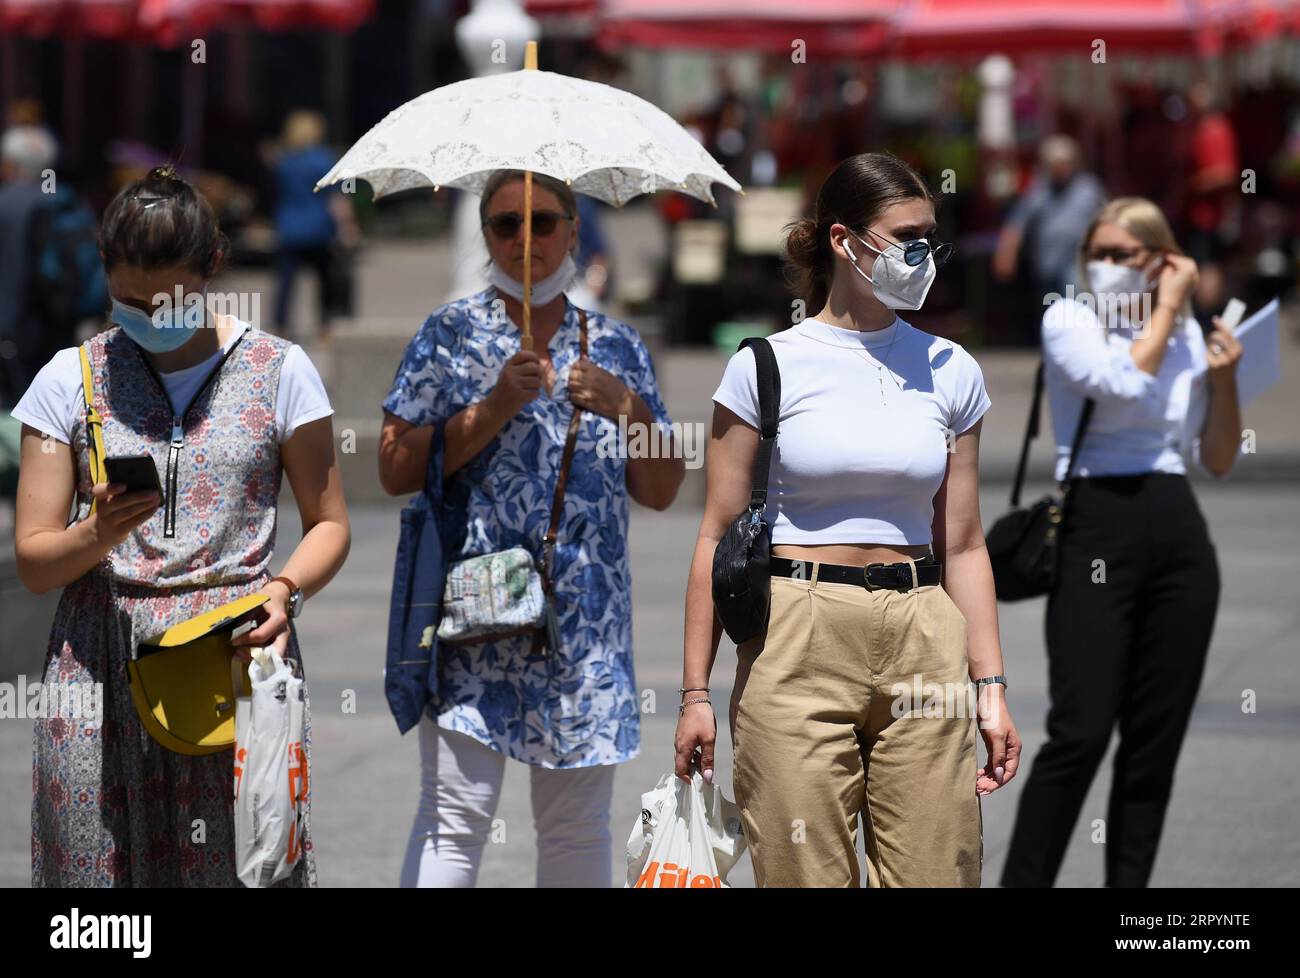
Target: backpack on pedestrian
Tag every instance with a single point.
(69, 275)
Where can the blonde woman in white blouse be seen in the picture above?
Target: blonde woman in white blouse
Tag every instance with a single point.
(1130, 619)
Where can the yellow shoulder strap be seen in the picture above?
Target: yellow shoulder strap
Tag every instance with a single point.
(94, 425)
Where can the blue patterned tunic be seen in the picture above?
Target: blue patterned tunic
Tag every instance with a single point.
(579, 707)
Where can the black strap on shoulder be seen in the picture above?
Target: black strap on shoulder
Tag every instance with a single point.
(769, 407)
(1082, 426)
(1031, 432)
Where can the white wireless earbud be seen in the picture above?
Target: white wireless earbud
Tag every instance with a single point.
(849, 250)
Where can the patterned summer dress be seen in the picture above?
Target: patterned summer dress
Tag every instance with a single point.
(110, 806)
(580, 707)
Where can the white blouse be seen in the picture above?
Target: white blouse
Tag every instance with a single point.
(1141, 423)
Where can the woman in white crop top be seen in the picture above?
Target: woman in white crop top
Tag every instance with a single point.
(858, 698)
(1131, 612)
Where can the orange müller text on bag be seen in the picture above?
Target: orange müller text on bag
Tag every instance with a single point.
(298, 794)
(670, 876)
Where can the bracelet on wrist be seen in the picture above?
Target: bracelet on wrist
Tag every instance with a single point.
(682, 709)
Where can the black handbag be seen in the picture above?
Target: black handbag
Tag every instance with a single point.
(1023, 544)
(742, 584)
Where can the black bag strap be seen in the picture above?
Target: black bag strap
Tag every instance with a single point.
(1031, 432)
(769, 407)
(1079, 429)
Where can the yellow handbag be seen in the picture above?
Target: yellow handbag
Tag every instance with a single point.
(182, 681)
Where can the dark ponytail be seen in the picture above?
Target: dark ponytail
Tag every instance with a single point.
(160, 221)
(855, 194)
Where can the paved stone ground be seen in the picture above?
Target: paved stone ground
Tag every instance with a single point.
(1232, 821)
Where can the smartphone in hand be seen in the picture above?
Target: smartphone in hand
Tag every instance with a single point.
(1232, 313)
(136, 472)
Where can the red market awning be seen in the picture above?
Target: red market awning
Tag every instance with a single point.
(94, 18)
(1244, 21)
(935, 28)
(172, 21)
(978, 27)
(551, 8)
(271, 15)
(835, 27)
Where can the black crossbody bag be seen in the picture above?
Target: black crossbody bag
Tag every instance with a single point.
(1023, 544)
(742, 583)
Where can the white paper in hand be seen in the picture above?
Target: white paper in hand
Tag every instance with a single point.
(686, 836)
(270, 772)
(1261, 365)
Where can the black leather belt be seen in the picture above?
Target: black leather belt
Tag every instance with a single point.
(896, 577)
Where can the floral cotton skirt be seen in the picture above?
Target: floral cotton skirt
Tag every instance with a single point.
(110, 805)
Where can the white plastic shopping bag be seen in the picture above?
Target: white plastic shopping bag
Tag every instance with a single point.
(686, 836)
(270, 772)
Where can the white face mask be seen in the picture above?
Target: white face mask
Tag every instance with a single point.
(1112, 278)
(896, 283)
(545, 289)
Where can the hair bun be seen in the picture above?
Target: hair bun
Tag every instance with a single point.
(802, 242)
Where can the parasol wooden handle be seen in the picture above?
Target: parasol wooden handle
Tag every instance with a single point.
(526, 341)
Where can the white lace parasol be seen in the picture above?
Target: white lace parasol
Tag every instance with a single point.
(603, 141)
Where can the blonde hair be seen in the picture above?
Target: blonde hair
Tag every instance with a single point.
(303, 128)
(1140, 218)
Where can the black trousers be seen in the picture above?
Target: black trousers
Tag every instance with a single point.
(1128, 628)
(321, 261)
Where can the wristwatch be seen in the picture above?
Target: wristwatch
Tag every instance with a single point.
(987, 680)
(295, 595)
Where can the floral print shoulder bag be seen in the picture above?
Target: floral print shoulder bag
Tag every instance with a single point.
(504, 593)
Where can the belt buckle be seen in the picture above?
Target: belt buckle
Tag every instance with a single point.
(866, 577)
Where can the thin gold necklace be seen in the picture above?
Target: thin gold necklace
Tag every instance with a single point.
(879, 364)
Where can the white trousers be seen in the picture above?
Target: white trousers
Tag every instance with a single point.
(460, 788)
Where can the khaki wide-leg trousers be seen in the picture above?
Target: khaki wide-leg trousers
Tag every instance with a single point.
(853, 702)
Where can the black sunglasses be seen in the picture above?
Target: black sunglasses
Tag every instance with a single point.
(914, 252)
(507, 224)
(1117, 255)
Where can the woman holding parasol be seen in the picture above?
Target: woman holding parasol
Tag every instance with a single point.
(505, 410)
(499, 376)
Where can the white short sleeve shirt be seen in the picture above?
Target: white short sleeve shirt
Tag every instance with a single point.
(54, 400)
(854, 463)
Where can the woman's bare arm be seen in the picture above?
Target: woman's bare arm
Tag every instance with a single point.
(49, 553)
(309, 461)
(404, 448)
(729, 471)
(653, 481)
(313, 470)
(959, 545)
(958, 542)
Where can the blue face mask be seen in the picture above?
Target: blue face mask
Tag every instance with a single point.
(175, 328)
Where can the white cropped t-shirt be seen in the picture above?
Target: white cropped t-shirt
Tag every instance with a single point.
(847, 468)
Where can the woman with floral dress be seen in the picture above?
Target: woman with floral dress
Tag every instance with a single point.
(503, 413)
(224, 410)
